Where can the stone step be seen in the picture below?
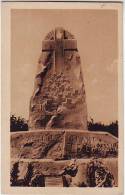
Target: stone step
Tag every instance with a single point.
(53, 182)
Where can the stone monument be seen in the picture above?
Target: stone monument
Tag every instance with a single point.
(58, 120)
(59, 99)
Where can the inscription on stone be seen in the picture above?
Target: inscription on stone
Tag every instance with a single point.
(58, 144)
(39, 145)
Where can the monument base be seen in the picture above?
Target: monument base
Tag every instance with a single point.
(60, 144)
(50, 171)
(39, 158)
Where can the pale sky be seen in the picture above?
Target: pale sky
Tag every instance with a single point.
(96, 34)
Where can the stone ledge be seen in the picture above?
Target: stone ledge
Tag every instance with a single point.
(54, 144)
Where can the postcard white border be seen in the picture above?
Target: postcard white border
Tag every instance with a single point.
(6, 40)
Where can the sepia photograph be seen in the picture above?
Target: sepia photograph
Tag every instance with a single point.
(65, 96)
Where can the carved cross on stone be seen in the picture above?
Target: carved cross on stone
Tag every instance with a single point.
(59, 46)
(59, 85)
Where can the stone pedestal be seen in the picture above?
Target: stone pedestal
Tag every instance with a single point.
(38, 158)
(55, 144)
(50, 170)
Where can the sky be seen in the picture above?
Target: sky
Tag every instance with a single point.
(97, 41)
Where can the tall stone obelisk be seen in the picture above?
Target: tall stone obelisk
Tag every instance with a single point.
(59, 99)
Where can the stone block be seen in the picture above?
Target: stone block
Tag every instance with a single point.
(53, 169)
(56, 144)
(37, 144)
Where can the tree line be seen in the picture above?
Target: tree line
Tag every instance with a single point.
(98, 126)
(20, 124)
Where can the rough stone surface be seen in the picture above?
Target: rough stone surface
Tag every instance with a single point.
(59, 99)
(54, 144)
(54, 168)
(58, 120)
(37, 145)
